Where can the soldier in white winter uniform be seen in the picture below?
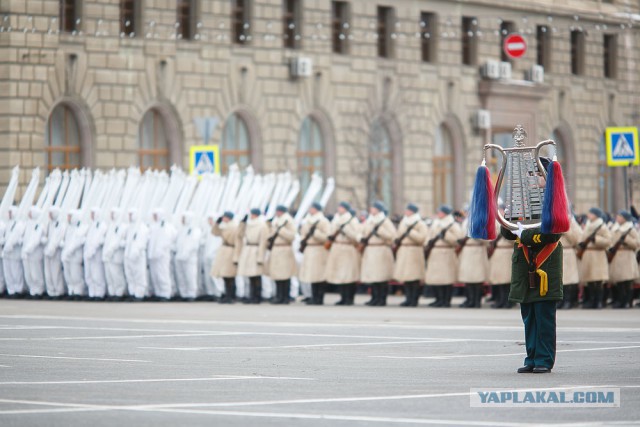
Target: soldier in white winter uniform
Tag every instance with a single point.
(33, 254)
(113, 255)
(186, 259)
(162, 238)
(71, 256)
(94, 273)
(53, 276)
(135, 257)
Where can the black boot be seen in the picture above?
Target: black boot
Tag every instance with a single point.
(351, 293)
(383, 291)
(375, 295)
(278, 297)
(343, 295)
(598, 295)
(322, 288)
(477, 303)
(408, 294)
(621, 295)
(447, 292)
(417, 291)
(256, 289)
(498, 300)
(588, 298)
(469, 294)
(494, 294)
(314, 295)
(437, 294)
(286, 291)
(629, 293)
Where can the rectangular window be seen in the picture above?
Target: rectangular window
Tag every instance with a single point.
(577, 52)
(610, 56)
(386, 17)
(340, 26)
(469, 41)
(428, 36)
(69, 16)
(506, 28)
(241, 21)
(291, 20)
(543, 40)
(129, 13)
(185, 15)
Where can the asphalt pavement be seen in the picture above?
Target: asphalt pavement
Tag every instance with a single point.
(68, 363)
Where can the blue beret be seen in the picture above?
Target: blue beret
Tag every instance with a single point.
(445, 209)
(352, 212)
(379, 205)
(228, 214)
(413, 208)
(597, 212)
(317, 206)
(281, 208)
(255, 211)
(345, 205)
(626, 215)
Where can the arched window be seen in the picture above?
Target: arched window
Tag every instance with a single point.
(443, 170)
(236, 144)
(310, 152)
(380, 173)
(62, 137)
(153, 147)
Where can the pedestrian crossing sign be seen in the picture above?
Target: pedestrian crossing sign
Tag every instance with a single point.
(204, 159)
(622, 146)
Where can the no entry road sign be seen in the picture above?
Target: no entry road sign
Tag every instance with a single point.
(514, 45)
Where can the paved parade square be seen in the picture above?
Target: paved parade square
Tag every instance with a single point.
(148, 364)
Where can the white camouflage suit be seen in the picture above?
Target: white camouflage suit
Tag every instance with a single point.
(94, 273)
(33, 253)
(53, 276)
(12, 252)
(186, 261)
(113, 255)
(162, 238)
(72, 254)
(135, 256)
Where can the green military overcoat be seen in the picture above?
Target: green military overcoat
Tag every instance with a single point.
(535, 240)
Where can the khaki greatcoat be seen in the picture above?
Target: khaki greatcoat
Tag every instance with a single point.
(254, 234)
(442, 265)
(314, 257)
(377, 259)
(343, 262)
(225, 262)
(410, 255)
(282, 262)
(594, 266)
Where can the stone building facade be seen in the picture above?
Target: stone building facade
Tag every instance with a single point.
(389, 104)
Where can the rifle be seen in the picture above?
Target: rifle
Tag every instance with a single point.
(582, 246)
(493, 246)
(365, 240)
(398, 242)
(304, 242)
(461, 243)
(272, 240)
(334, 236)
(612, 251)
(432, 243)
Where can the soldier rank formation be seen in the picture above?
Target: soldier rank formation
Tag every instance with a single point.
(258, 259)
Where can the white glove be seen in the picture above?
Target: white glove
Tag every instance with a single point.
(519, 231)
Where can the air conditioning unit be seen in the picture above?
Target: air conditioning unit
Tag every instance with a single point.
(482, 120)
(490, 70)
(301, 67)
(535, 74)
(505, 70)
